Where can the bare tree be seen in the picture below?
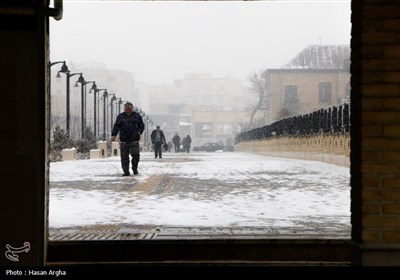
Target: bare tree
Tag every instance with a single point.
(258, 86)
(284, 113)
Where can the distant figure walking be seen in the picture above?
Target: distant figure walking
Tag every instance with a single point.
(186, 142)
(158, 139)
(177, 142)
(130, 126)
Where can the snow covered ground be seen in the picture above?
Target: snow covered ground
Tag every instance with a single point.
(202, 189)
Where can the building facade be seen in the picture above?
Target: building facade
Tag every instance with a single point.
(209, 109)
(318, 77)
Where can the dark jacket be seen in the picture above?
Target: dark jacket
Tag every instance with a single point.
(186, 141)
(153, 136)
(130, 127)
(176, 139)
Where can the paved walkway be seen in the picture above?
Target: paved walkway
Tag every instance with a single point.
(197, 196)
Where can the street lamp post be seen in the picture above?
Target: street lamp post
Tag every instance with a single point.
(112, 109)
(119, 105)
(95, 103)
(85, 101)
(56, 62)
(148, 122)
(65, 70)
(95, 91)
(82, 81)
(146, 119)
(105, 96)
(95, 107)
(49, 78)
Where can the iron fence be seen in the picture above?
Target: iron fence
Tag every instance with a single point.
(335, 119)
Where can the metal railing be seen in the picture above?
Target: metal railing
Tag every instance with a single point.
(335, 119)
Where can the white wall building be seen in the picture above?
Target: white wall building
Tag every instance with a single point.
(173, 106)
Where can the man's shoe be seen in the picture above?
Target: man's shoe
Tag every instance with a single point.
(135, 171)
(126, 174)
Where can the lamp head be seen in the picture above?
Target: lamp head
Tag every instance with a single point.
(81, 79)
(64, 68)
(94, 87)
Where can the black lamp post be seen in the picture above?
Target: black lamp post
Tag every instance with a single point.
(146, 119)
(105, 96)
(112, 109)
(85, 101)
(119, 105)
(148, 122)
(95, 90)
(56, 62)
(95, 103)
(98, 111)
(50, 65)
(82, 81)
(64, 69)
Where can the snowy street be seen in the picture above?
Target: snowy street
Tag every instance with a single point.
(211, 190)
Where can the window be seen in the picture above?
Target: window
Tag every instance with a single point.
(348, 89)
(223, 129)
(291, 100)
(203, 130)
(325, 92)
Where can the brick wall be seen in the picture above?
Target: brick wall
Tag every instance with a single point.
(375, 119)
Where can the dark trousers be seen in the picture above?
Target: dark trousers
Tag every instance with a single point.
(130, 148)
(177, 148)
(187, 148)
(158, 149)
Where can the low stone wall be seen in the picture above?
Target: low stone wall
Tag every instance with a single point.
(69, 154)
(334, 149)
(96, 153)
(102, 145)
(115, 149)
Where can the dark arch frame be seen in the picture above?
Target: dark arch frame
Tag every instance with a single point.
(209, 251)
(24, 111)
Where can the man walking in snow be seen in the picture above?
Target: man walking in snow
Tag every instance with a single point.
(130, 126)
(158, 139)
(177, 142)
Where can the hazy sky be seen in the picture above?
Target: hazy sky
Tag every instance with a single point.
(161, 41)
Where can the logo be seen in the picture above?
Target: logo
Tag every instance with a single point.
(12, 252)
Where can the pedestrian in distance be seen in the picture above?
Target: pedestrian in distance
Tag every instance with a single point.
(158, 139)
(177, 142)
(186, 143)
(130, 127)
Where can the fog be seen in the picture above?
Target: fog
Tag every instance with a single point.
(162, 41)
(178, 60)
(186, 66)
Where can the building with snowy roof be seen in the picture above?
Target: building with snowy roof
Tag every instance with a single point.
(318, 77)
